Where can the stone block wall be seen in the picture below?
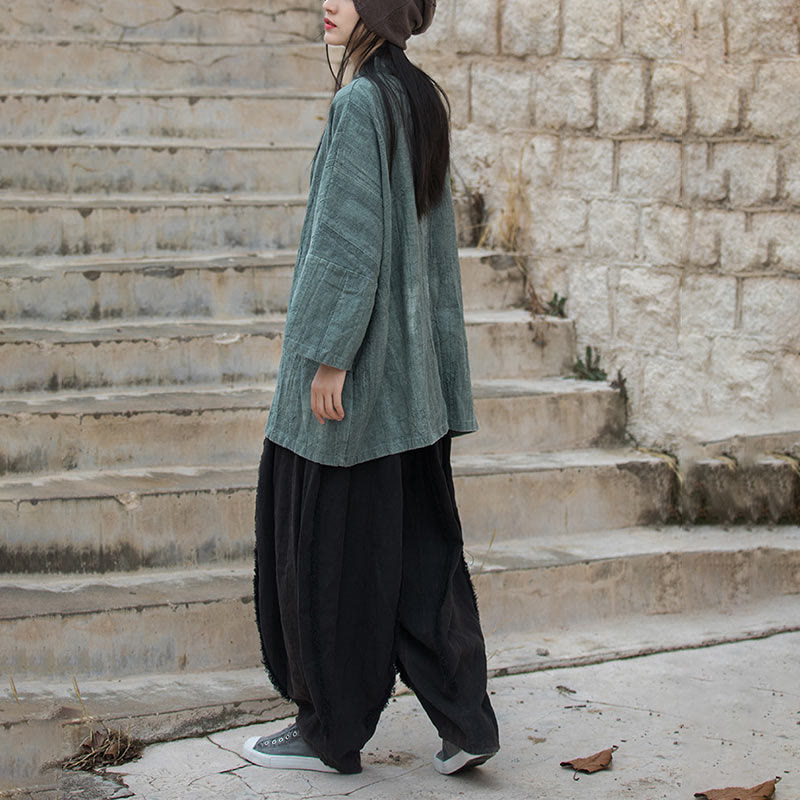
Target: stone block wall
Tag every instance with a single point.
(655, 147)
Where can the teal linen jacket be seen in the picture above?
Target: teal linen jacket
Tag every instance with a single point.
(375, 291)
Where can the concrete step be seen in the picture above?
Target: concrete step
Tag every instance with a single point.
(764, 489)
(268, 116)
(98, 65)
(185, 621)
(85, 355)
(197, 285)
(159, 20)
(167, 166)
(35, 225)
(157, 352)
(77, 521)
(42, 433)
(46, 722)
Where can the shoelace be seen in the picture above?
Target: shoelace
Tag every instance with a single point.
(282, 739)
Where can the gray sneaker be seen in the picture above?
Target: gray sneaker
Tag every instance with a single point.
(286, 749)
(451, 759)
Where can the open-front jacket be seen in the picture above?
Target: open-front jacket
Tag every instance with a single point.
(376, 291)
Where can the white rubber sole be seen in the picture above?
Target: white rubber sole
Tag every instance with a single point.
(461, 760)
(282, 762)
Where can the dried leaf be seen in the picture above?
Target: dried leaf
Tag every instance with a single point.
(594, 763)
(764, 791)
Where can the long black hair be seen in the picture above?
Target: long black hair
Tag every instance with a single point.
(428, 122)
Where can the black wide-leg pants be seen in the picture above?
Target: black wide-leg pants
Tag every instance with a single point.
(359, 573)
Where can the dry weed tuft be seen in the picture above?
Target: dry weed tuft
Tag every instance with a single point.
(102, 746)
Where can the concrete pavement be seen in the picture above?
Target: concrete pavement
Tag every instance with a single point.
(684, 722)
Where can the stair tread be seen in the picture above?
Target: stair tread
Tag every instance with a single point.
(166, 43)
(161, 398)
(157, 695)
(27, 595)
(19, 267)
(131, 330)
(164, 479)
(148, 200)
(578, 547)
(153, 328)
(150, 143)
(172, 92)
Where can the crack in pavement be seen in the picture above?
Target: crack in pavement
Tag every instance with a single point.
(366, 785)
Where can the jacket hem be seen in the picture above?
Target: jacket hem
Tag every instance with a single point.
(379, 451)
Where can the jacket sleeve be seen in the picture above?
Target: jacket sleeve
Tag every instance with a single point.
(336, 276)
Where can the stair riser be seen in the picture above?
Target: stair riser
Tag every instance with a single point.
(148, 230)
(164, 638)
(183, 170)
(152, 290)
(761, 492)
(221, 359)
(264, 120)
(194, 360)
(25, 65)
(674, 583)
(199, 20)
(213, 635)
(206, 525)
(41, 443)
(223, 288)
(491, 282)
(521, 350)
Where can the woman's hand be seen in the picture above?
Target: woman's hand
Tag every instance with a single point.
(326, 393)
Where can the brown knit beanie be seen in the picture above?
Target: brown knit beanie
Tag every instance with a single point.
(396, 20)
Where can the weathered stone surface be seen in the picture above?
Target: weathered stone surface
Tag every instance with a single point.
(613, 230)
(81, 65)
(669, 104)
(650, 169)
(646, 309)
(150, 225)
(558, 221)
(475, 27)
(438, 37)
(703, 180)
(653, 30)
(665, 235)
(591, 30)
(671, 392)
(587, 165)
(790, 166)
(193, 21)
(725, 239)
(770, 113)
(759, 28)
(620, 98)
(540, 160)
(501, 96)
(777, 234)
(268, 116)
(591, 302)
(708, 37)
(159, 167)
(528, 27)
(714, 96)
(751, 172)
(559, 82)
(707, 305)
(739, 377)
(771, 310)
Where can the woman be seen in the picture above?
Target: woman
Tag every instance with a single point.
(359, 554)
